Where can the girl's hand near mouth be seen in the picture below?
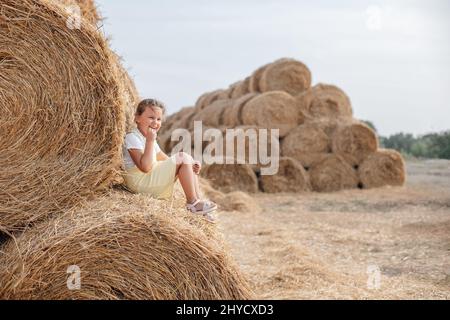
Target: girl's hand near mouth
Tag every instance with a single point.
(151, 134)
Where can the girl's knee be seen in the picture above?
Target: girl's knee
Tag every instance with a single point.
(184, 158)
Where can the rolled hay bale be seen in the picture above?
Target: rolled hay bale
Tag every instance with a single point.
(62, 126)
(88, 9)
(325, 101)
(231, 177)
(170, 140)
(183, 118)
(207, 99)
(200, 103)
(241, 89)
(239, 201)
(354, 141)
(333, 174)
(291, 177)
(127, 247)
(255, 78)
(286, 75)
(328, 126)
(382, 168)
(273, 110)
(247, 143)
(234, 201)
(232, 117)
(131, 95)
(164, 141)
(212, 115)
(308, 144)
(180, 119)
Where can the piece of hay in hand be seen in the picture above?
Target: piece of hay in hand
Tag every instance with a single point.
(325, 101)
(231, 177)
(354, 141)
(273, 110)
(382, 168)
(333, 174)
(286, 75)
(291, 177)
(63, 124)
(308, 143)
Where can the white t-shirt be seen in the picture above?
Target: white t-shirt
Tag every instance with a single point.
(135, 140)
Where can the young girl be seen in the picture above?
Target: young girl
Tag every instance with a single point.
(151, 171)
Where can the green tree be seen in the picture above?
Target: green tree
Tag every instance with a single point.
(371, 125)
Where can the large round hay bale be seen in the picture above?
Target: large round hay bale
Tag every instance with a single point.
(354, 141)
(212, 97)
(308, 143)
(286, 75)
(255, 78)
(181, 119)
(239, 201)
(384, 167)
(231, 177)
(131, 96)
(291, 177)
(124, 247)
(232, 117)
(241, 89)
(200, 103)
(325, 101)
(233, 201)
(333, 174)
(247, 143)
(233, 87)
(62, 125)
(212, 115)
(272, 110)
(87, 8)
(207, 98)
(328, 126)
(184, 118)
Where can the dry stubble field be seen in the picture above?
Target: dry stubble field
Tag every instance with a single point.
(320, 246)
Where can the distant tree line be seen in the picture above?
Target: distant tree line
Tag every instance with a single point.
(432, 145)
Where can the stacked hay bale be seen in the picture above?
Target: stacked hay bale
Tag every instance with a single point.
(62, 125)
(62, 129)
(125, 247)
(322, 147)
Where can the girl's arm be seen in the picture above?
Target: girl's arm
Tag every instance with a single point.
(144, 161)
(161, 156)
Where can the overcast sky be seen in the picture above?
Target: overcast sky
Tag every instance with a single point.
(391, 57)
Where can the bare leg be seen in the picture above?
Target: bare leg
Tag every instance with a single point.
(197, 186)
(186, 176)
(188, 179)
